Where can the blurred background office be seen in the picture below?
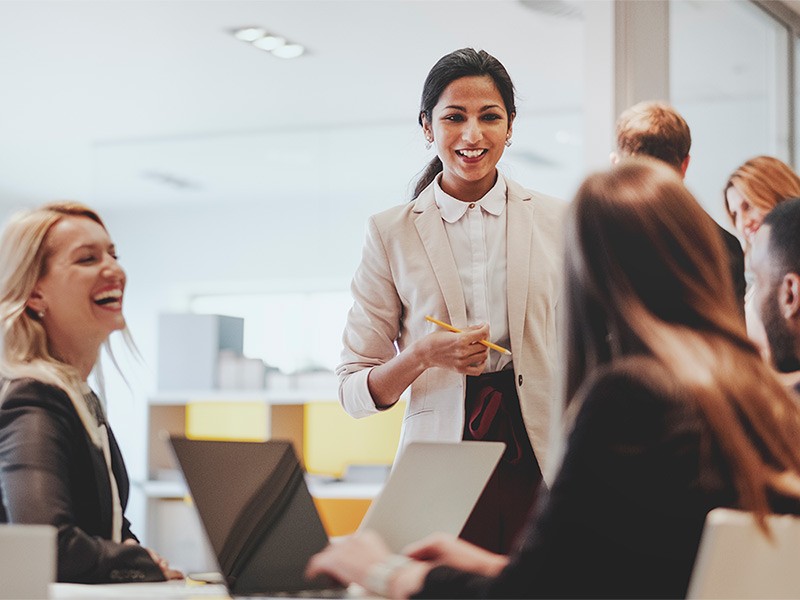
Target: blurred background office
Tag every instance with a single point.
(236, 180)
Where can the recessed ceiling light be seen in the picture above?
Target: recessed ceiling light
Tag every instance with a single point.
(269, 42)
(249, 34)
(289, 51)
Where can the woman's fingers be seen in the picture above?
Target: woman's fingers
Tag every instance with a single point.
(461, 352)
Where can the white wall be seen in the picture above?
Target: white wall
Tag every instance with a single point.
(169, 253)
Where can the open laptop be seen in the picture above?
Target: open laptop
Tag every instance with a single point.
(257, 512)
(433, 488)
(28, 563)
(263, 526)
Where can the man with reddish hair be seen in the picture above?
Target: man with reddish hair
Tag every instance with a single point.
(656, 129)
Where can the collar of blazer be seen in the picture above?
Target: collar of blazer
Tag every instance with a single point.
(431, 230)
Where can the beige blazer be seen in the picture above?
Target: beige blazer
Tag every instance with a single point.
(408, 271)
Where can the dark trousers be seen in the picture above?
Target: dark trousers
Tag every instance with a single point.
(492, 413)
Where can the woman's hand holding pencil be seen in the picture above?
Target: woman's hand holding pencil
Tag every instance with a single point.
(449, 327)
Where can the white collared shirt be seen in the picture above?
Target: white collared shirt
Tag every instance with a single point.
(477, 235)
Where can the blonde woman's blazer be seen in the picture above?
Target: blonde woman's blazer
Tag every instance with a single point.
(408, 271)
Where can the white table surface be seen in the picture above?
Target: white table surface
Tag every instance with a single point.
(164, 590)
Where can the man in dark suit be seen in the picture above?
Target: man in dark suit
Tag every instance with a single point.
(656, 129)
(775, 261)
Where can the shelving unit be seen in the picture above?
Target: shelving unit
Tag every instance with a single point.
(204, 352)
(173, 528)
(282, 417)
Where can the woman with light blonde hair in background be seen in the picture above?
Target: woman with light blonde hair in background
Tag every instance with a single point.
(751, 191)
(61, 291)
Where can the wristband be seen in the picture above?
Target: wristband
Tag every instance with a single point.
(380, 575)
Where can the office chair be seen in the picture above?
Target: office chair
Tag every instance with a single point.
(736, 560)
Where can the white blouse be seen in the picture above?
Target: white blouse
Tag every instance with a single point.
(477, 235)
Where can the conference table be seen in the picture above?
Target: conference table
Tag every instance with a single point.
(167, 590)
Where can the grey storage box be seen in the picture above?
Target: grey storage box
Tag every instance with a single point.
(189, 346)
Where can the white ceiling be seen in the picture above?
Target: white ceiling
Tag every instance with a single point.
(135, 102)
(114, 102)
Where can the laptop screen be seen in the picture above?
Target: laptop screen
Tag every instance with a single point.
(257, 512)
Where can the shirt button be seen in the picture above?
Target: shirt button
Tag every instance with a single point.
(472, 205)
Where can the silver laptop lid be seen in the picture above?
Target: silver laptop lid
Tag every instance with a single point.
(433, 487)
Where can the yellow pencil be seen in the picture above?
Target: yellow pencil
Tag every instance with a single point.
(486, 343)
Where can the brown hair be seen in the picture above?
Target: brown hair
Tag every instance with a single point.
(654, 129)
(646, 276)
(764, 181)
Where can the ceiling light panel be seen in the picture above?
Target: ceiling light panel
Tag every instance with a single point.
(269, 42)
(249, 34)
(289, 51)
(275, 44)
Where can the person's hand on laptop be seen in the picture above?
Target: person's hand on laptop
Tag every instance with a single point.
(444, 549)
(364, 559)
(169, 573)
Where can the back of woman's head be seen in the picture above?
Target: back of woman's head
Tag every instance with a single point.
(641, 251)
(24, 255)
(646, 275)
(764, 181)
(466, 62)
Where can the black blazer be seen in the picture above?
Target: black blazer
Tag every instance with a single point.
(736, 262)
(52, 473)
(626, 511)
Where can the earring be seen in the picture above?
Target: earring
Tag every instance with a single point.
(40, 314)
(428, 143)
(508, 142)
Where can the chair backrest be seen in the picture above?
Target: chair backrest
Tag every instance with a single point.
(27, 560)
(736, 559)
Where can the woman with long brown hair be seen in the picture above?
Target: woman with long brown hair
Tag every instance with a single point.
(671, 410)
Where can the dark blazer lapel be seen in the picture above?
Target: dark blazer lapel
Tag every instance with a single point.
(119, 470)
(521, 209)
(434, 239)
(105, 518)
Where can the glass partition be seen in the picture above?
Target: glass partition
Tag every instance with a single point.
(729, 70)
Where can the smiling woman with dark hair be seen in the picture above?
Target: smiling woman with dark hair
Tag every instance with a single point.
(479, 251)
(61, 291)
(672, 413)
